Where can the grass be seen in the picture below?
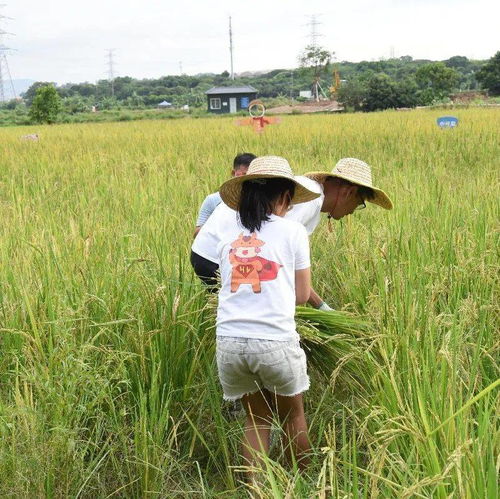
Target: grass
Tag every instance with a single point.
(107, 380)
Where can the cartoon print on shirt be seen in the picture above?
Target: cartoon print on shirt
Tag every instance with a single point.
(248, 268)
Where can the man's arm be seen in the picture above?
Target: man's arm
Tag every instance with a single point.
(317, 302)
(207, 207)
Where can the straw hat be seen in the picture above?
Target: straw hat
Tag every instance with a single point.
(358, 172)
(260, 169)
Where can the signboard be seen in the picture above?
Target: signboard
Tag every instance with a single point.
(447, 122)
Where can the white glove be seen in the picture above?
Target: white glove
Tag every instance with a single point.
(325, 307)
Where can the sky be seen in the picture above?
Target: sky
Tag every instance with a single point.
(67, 40)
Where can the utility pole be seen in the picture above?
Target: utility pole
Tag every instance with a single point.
(111, 70)
(4, 65)
(231, 47)
(180, 68)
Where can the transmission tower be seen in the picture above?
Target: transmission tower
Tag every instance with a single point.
(313, 29)
(314, 35)
(111, 70)
(5, 75)
(231, 47)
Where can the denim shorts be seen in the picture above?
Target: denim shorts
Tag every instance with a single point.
(247, 365)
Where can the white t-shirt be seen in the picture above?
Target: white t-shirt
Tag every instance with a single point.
(257, 295)
(307, 214)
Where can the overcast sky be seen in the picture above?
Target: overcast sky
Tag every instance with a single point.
(66, 40)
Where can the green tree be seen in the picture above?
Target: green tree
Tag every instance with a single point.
(458, 62)
(108, 103)
(29, 95)
(10, 104)
(135, 101)
(83, 89)
(76, 104)
(407, 93)
(437, 78)
(406, 59)
(489, 75)
(219, 79)
(352, 94)
(317, 60)
(465, 70)
(381, 93)
(46, 105)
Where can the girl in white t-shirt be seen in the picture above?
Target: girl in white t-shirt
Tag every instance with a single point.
(265, 271)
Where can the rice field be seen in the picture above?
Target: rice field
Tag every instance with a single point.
(108, 386)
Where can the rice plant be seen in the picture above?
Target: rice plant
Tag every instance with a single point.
(108, 386)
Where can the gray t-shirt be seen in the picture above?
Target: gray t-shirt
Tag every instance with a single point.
(207, 207)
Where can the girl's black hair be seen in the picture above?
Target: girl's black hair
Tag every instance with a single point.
(258, 198)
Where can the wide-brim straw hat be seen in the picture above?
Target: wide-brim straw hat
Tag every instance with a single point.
(262, 168)
(358, 172)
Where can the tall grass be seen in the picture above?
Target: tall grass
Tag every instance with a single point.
(107, 378)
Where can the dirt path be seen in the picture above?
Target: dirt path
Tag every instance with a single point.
(307, 107)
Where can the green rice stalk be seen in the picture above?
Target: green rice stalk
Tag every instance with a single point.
(338, 345)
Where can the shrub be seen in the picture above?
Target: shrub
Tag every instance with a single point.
(46, 105)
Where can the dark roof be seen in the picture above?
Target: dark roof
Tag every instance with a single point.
(231, 90)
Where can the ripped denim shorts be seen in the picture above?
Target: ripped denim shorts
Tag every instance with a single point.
(247, 365)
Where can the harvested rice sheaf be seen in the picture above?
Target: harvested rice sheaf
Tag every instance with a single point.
(338, 345)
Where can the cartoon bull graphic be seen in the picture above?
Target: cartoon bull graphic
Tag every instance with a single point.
(247, 266)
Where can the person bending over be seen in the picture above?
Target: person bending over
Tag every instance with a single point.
(342, 191)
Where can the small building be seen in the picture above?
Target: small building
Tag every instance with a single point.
(222, 100)
(164, 105)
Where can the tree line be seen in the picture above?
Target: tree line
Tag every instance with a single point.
(418, 83)
(365, 86)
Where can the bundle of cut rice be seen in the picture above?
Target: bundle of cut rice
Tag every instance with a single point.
(337, 344)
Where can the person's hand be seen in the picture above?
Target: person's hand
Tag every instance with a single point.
(325, 307)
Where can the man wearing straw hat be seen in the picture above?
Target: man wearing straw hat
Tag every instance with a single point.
(347, 187)
(342, 191)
